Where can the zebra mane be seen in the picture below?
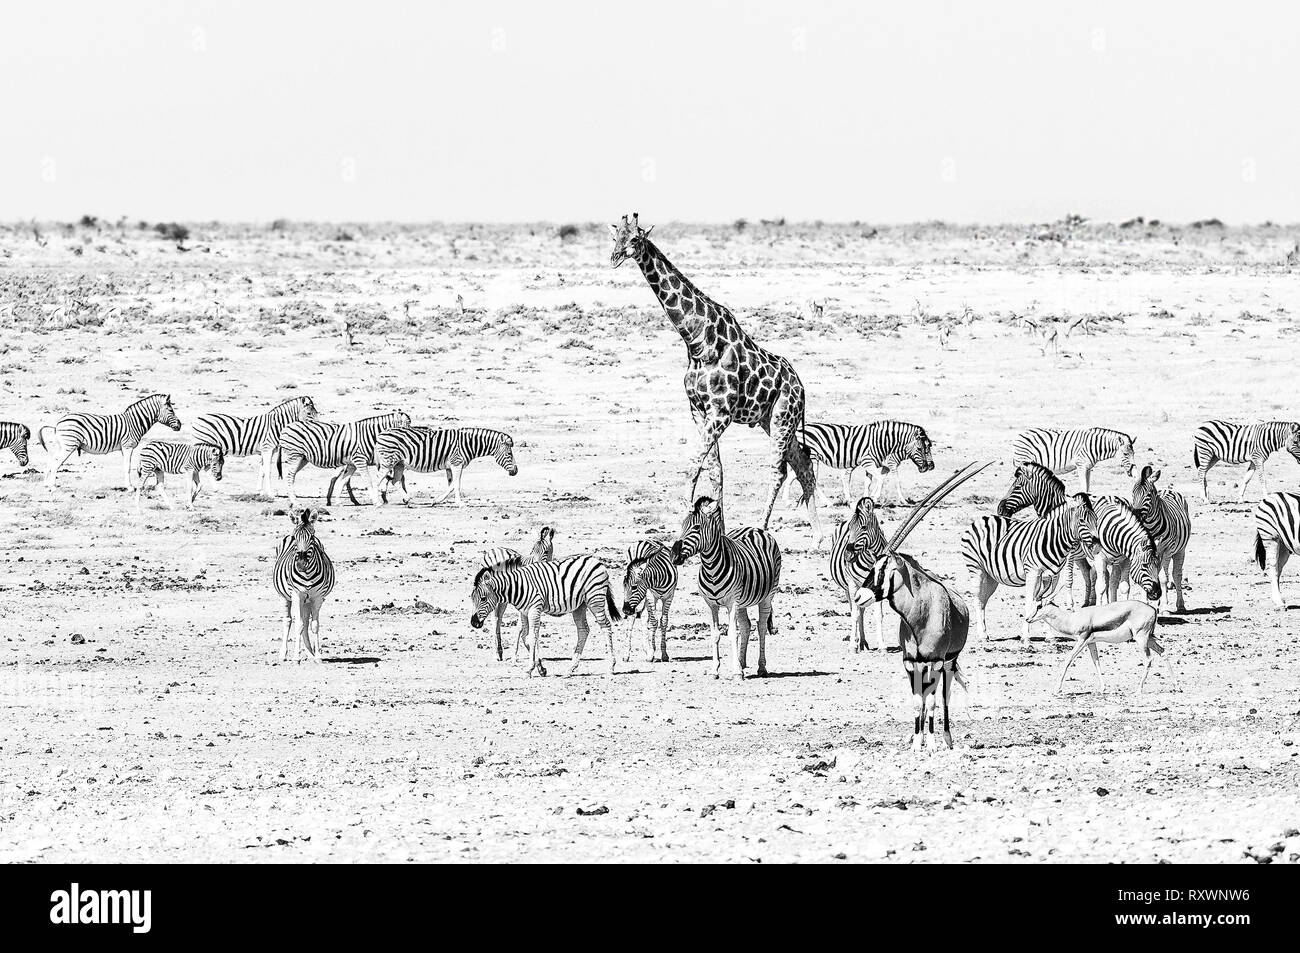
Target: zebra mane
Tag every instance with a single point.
(144, 400)
(1116, 435)
(488, 571)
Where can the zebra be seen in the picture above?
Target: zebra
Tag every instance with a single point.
(1277, 521)
(1063, 451)
(738, 569)
(649, 584)
(253, 436)
(1218, 441)
(161, 457)
(104, 433)
(857, 543)
(304, 574)
(14, 437)
(1165, 515)
(424, 449)
(1114, 533)
(501, 558)
(576, 584)
(350, 447)
(879, 447)
(1018, 552)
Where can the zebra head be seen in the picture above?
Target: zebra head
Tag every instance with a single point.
(629, 240)
(700, 530)
(504, 454)
(210, 457)
(1032, 485)
(544, 548)
(920, 452)
(304, 532)
(1085, 519)
(1144, 569)
(870, 541)
(167, 414)
(486, 596)
(1292, 443)
(307, 409)
(1146, 495)
(19, 443)
(634, 586)
(1126, 453)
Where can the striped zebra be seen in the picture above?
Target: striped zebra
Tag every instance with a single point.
(738, 569)
(425, 449)
(649, 584)
(1115, 536)
(350, 447)
(879, 447)
(14, 437)
(1165, 515)
(303, 574)
(104, 433)
(161, 457)
(1277, 522)
(501, 558)
(1018, 552)
(1218, 441)
(856, 545)
(1063, 451)
(576, 584)
(253, 436)
(1034, 485)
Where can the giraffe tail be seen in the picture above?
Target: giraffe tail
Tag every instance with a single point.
(797, 456)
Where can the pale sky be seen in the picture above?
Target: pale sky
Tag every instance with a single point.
(510, 111)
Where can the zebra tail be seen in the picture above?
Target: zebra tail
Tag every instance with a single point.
(40, 435)
(610, 605)
(1259, 549)
(1196, 455)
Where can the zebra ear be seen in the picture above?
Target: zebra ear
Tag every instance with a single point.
(1155, 476)
(1146, 474)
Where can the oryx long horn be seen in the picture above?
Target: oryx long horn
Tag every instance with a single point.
(922, 509)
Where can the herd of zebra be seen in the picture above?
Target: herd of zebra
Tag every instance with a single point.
(1103, 538)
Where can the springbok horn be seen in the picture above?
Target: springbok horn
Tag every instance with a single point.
(922, 509)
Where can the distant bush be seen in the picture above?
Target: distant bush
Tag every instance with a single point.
(343, 235)
(1207, 223)
(280, 225)
(740, 224)
(172, 231)
(569, 231)
(89, 221)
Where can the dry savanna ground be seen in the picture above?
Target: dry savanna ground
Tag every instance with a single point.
(144, 718)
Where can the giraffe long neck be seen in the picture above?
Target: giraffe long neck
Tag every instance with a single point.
(688, 308)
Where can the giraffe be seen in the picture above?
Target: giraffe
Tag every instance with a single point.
(729, 377)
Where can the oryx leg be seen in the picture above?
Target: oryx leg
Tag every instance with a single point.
(932, 691)
(918, 700)
(948, 673)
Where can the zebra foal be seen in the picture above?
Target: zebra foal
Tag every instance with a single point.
(253, 436)
(738, 569)
(649, 584)
(501, 558)
(575, 585)
(349, 447)
(303, 575)
(1277, 524)
(1218, 441)
(425, 449)
(857, 543)
(1063, 451)
(161, 457)
(104, 433)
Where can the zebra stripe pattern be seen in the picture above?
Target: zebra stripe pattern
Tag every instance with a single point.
(250, 436)
(880, 447)
(738, 569)
(577, 585)
(1277, 526)
(855, 546)
(1218, 441)
(303, 574)
(1167, 519)
(424, 450)
(161, 457)
(350, 447)
(1109, 526)
(1063, 451)
(649, 583)
(14, 437)
(1014, 552)
(104, 433)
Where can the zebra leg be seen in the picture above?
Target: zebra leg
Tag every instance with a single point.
(445, 496)
(1282, 554)
(160, 482)
(264, 474)
(126, 467)
(665, 601)
(764, 627)
(460, 475)
(139, 495)
(1203, 472)
(848, 486)
(55, 462)
(1085, 475)
(580, 623)
(302, 628)
(291, 477)
(601, 616)
(1251, 468)
(739, 630)
(857, 621)
(631, 628)
(1032, 578)
(194, 488)
(717, 638)
(987, 586)
(284, 636)
(533, 628)
(315, 602)
(1177, 574)
(500, 611)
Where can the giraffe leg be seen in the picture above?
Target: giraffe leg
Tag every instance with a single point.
(710, 430)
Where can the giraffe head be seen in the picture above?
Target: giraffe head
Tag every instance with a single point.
(629, 239)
